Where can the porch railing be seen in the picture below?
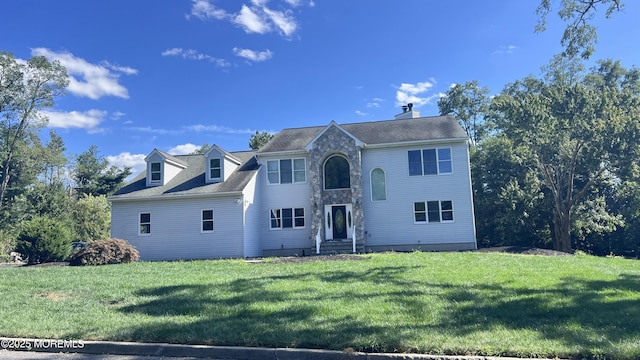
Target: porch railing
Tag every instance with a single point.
(354, 239)
(318, 241)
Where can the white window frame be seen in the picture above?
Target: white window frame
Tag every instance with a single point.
(278, 215)
(438, 161)
(210, 168)
(152, 172)
(384, 178)
(140, 224)
(294, 171)
(203, 220)
(426, 212)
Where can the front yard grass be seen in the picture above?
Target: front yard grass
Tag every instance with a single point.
(445, 303)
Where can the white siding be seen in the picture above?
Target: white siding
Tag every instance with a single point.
(229, 168)
(252, 241)
(278, 196)
(169, 171)
(176, 228)
(391, 222)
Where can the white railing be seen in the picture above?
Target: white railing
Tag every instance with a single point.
(318, 241)
(354, 239)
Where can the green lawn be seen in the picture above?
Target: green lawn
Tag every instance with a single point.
(448, 303)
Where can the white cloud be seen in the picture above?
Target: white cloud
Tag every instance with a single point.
(374, 103)
(360, 113)
(252, 55)
(148, 129)
(415, 93)
(89, 80)
(203, 10)
(505, 49)
(183, 149)
(191, 54)
(75, 119)
(218, 129)
(253, 18)
(134, 161)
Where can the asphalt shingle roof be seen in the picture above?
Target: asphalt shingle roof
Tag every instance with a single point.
(191, 180)
(374, 132)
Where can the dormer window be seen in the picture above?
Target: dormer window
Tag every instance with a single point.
(215, 169)
(155, 172)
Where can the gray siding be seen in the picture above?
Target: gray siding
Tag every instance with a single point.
(176, 228)
(391, 222)
(283, 196)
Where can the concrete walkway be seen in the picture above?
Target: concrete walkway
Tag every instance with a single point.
(162, 350)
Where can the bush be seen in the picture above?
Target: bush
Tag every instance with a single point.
(103, 252)
(43, 240)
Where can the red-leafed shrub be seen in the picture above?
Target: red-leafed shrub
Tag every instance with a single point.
(103, 252)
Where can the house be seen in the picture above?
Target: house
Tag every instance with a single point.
(400, 184)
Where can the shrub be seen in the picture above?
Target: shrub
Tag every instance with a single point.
(43, 240)
(102, 252)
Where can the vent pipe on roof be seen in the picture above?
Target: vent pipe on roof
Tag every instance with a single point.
(408, 112)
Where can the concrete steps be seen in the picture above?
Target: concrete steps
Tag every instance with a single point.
(340, 247)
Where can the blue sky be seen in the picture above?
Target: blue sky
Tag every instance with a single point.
(176, 74)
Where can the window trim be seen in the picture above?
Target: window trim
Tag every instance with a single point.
(426, 212)
(280, 218)
(203, 220)
(210, 168)
(324, 172)
(292, 161)
(438, 161)
(152, 172)
(384, 178)
(140, 224)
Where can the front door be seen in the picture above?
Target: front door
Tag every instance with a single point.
(339, 216)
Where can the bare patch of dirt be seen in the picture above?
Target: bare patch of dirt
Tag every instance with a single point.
(524, 250)
(54, 296)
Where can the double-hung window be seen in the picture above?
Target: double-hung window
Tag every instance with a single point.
(155, 172)
(430, 162)
(287, 218)
(433, 211)
(144, 223)
(286, 171)
(215, 169)
(207, 220)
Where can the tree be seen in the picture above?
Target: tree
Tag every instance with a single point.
(94, 176)
(259, 139)
(91, 218)
(575, 131)
(43, 240)
(468, 103)
(25, 89)
(580, 36)
(201, 150)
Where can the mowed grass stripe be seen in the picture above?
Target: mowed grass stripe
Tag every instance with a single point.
(451, 303)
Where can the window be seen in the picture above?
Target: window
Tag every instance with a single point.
(145, 224)
(378, 185)
(156, 173)
(286, 171)
(287, 218)
(215, 169)
(430, 162)
(433, 211)
(336, 173)
(207, 220)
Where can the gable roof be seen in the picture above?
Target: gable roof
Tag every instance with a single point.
(191, 181)
(167, 157)
(224, 152)
(431, 128)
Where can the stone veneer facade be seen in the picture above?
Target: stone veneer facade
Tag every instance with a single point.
(334, 141)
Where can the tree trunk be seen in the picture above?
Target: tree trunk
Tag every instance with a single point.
(562, 230)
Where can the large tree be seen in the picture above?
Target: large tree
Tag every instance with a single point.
(259, 139)
(469, 103)
(94, 176)
(580, 35)
(575, 131)
(25, 89)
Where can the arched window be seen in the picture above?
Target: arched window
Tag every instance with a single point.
(378, 185)
(336, 173)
